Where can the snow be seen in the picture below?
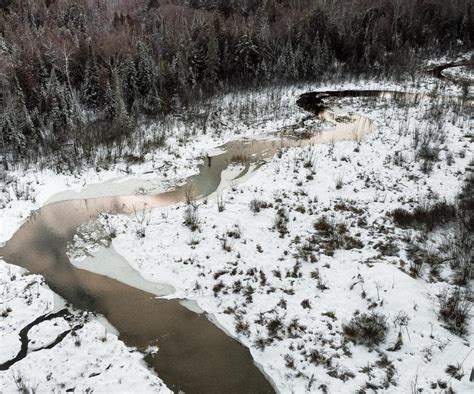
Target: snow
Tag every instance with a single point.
(93, 359)
(190, 262)
(173, 261)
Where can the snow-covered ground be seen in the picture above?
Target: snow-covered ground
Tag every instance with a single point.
(90, 358)
(463, 73)
(270, 278)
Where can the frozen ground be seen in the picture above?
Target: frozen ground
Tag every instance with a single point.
(283, 289)
(270, 278)
(90, 358)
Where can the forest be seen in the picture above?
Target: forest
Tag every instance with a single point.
(76, 75)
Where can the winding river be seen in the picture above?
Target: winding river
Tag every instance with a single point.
(194, 355)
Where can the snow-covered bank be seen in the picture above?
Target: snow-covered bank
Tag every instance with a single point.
(269, 278)
(89, 359)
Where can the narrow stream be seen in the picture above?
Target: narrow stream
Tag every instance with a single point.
(194, 355)
(438, 71)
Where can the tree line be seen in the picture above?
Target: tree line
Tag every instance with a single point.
(82, 73)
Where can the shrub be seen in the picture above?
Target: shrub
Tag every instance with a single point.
(334, 236)
(280, 222)
(323, 226)
(22, 383)
(459, 250)
(466, 201)
(388, 248)
(368, 329)
(275, 328)
(427, 216)
(419, 257)
(428, 154)
(260, 343)
(455, 371)
(257, 205)
(226, 243)
(306, 304)
(217, 288)
(235, 232)
(241, 326)
(220, 203)
(454, 308)
(191, 217)
(339, 182)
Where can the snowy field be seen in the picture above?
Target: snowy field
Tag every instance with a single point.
(282, 261)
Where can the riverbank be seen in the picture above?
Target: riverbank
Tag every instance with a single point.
(274, 281)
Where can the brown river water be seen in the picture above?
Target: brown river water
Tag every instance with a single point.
(195, 356)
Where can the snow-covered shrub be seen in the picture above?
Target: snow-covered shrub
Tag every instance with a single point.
(191, 217)
(257, 205)
(455, 308)
(220, 203)
(280, 222)
(455, 371)
(419, 257)
(332, 236)
(459, 250)
(368, 329)
(425, 215)
(339, 181)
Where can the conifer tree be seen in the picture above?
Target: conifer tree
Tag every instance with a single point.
(92, 84)
(212, 59)
(145, 69)
(109, 102)
(198, 62)
(128, 73)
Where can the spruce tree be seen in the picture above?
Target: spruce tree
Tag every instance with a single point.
(109, 102)
(198, 62)
(146, 72)
(128, 73)
(212, 59)
(92, 84)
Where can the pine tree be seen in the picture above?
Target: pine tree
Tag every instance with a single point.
(128, 73)
(146, 72)
(152, 102)
(226, 59)
(11, 124)
(198, 62)
(92, 84)
(317, 65)
(326, 55)
(20, 118)
(182, 70)
(10, 134)
(109, 102)
(212, 60)
(55, 118)
(247, 55)
(115, 108)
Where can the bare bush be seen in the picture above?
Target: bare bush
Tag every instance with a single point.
(368, 329)
(332, 236)
(220, 203)
(425, 215)
(191, 217)
(280, 222)
(257, 205)
(339, 181)
(455, 308)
